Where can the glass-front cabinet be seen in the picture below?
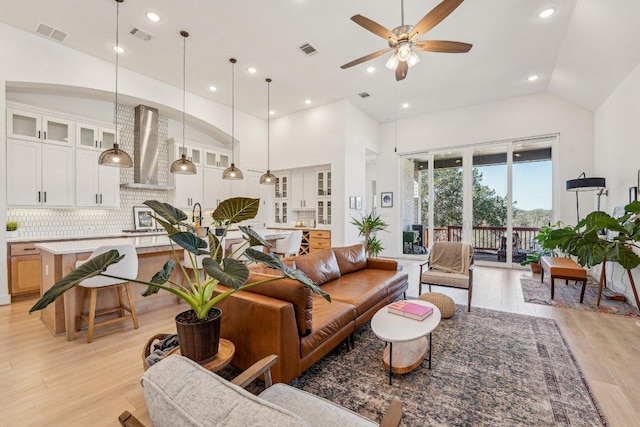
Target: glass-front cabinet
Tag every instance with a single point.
(39, 128)
(98, 138)
(281, 189)
(280, 214)
(192, 153)
(216, 159)
(324, 183)
(324, 212)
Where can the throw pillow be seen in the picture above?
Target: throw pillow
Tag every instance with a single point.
(351, 258)
(321, 267)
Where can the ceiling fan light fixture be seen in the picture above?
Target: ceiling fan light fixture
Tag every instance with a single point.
(413, 59)
(404, 52)
(392, 62)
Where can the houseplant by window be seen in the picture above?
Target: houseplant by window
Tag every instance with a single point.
(534, 255)
(368, 225)
(197, 292)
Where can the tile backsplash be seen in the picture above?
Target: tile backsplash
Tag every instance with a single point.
(82, 221)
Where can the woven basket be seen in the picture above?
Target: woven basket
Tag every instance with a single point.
(149, 345)
(444, 303)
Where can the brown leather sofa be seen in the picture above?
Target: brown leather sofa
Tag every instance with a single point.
(284, 318)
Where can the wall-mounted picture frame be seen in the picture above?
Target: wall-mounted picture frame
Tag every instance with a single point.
(352, 202)
(142, 219)
(358, 202)
(633, 194)
(386, 200)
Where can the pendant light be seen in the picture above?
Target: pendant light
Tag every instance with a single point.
(115, 156)
(268, 178)
(232, 172)
(183, 165)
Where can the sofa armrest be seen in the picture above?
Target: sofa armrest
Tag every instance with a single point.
(259, 326)
(262, 366)
(382, 264)
(393, 415)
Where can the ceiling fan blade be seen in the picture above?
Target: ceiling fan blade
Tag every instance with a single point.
(443, 46)
(401, 70)
(366, 58)
(375, 28)
(434, 17)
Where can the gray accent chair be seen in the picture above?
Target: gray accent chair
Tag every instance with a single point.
(179, 392)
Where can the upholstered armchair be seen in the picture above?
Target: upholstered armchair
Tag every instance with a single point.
(450, 264)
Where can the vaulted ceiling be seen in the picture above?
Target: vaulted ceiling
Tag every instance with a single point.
(582, 52)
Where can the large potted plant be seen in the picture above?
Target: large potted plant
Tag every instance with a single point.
(199, 327)
(368, 225)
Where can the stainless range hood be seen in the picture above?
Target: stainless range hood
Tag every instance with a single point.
(146, 153)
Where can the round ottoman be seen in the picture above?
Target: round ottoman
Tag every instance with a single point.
(444, 303)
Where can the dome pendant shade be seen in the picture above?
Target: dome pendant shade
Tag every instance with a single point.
(232, 172)
(115, 157)
(268, 178)
(183, 166)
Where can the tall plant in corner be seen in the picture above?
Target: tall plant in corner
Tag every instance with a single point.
(198, 292)
(368, 225)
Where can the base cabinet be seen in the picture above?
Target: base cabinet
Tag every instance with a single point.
(24, 269)
(319, 240)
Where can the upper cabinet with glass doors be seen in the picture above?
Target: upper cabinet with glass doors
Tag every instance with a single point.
(324, 183)
(37, 127)
(94, 137)
(216, 159)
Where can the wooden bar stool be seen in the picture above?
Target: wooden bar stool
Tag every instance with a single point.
(126, 268)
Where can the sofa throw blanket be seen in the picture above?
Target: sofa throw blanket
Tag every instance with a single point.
(450, 257)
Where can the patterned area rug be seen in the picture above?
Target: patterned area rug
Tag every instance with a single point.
(489, 369)
(569, 296)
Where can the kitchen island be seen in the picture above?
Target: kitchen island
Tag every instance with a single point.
(59, 258)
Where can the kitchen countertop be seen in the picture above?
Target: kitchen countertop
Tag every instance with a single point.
(49, 238)
(290, 227)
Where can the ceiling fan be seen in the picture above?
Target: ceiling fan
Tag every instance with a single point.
(404, 39)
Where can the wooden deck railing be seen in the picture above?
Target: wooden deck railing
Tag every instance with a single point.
(487, 238)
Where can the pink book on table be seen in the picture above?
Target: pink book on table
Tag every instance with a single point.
(409, 309)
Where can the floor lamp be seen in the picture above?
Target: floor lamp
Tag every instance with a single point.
(582, 183)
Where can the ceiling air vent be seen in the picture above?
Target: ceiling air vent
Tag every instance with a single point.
(307, 49)
(141, 34)
(51, 32)
(364, 95)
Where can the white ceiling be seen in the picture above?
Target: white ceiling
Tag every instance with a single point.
(581, 53)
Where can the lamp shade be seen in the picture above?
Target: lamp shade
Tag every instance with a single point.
(183, 166)
(268, 178)
(115, 157)
(586, 184)
(232, 172)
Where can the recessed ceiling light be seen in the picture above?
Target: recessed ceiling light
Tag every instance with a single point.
(272, 112)
(533, 77)
(212, 88)
(546, 13)
(153, 17)
(252, 70)
(307, 101)
(371, 69)
(118, 49)
(405, 105)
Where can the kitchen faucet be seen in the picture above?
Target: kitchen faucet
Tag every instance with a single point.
(197, 223)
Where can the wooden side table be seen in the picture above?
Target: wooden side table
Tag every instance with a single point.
(226, 351)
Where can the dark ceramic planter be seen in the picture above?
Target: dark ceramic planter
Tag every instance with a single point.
(198, 338)
(219, 231)
(535, 267)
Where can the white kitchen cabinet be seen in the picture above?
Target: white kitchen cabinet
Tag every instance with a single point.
(96, 185)
(324, 212)
(188, 189)
(281, 211)
(216, 189)
(303, 190)
(281, 189)
(39, 174)
(194, 154)
(217, 159)
(36, 127)
(94, 137)
(323, 179)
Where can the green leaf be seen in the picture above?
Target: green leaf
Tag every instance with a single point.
(190, 242)
(254, 238)
(233, 274)
(610, 224)
(168, 227)
(215, 247)
(168, 212)
(627, 258)
(268, 259)
(236, 209)
(93, 267)
(160, 278)
(633, 207)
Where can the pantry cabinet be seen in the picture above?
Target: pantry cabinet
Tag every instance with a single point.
(303, 190)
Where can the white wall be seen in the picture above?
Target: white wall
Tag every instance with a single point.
(616, 154)
(538, 114)
(33, 60)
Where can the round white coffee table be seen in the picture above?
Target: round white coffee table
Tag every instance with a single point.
(408, 335)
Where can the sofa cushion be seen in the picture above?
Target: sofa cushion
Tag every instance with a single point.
(179, 392)
(321, 266)
(351, 258)
(316, 410)
(261, 268)
(365, 288)
(328, 319)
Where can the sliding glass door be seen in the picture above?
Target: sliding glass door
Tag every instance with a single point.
(493, 196)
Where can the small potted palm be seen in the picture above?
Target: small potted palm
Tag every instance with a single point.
(198, 328)
(368, 225)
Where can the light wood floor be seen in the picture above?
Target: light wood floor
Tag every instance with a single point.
(46, 381)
